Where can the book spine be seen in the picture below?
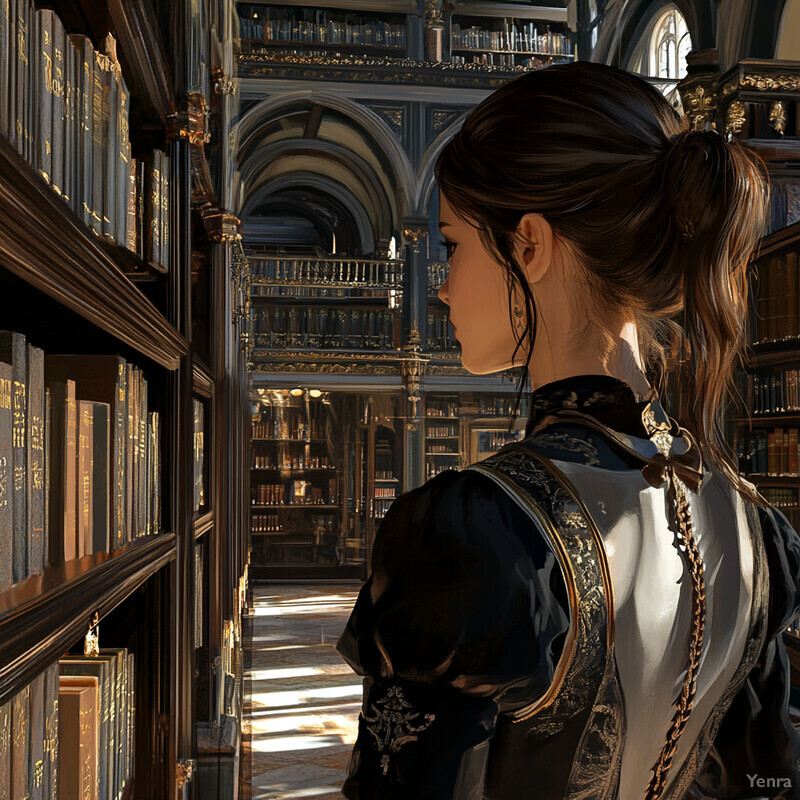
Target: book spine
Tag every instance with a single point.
(165, 233)
(153, 489)
(71, 126)
(110, 147)
(141, 204)
(84, 80)
(142, 443)
(85, 448)
(43, 69)
(100, 478)
(20, 744)
(6, 522)
(131, 222)
(35, 461)
(37, 716)
(5, 76)
(131, 738)
(153, 207)
(23, 79)
(5, 750)
(119, 454)
(123, 162)
(59, 79)
(130, 452)
(98, 159)
(19, 410)
(70, 529)
(51, 784)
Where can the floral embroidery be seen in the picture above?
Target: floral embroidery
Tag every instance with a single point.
(391, 723)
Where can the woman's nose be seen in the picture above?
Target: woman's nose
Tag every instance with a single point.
(444, 292)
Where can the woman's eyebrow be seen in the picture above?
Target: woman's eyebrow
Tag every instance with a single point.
(445, 225)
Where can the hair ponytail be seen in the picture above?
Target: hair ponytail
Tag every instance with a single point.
(664, 220)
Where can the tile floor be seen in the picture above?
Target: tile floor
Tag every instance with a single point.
(301, 699)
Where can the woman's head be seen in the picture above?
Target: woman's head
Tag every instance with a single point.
(660, 221)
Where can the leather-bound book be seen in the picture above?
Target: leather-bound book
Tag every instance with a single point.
(20, 744)
(78, 731)
(5, 73)
(37, 738)
(5, 750)
(6, 461)
(101, 473)
(85, 474)
(14, 351)
(84, 54)
(42, 52)
(35, 461)
(51, 732)
(58, 124)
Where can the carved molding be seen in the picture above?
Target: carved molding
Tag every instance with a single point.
(413, 236)
(222, 84)
(763, 83)
(190, 122)
(183, 772)
(433, 13)
(326, 369)
(221, 226)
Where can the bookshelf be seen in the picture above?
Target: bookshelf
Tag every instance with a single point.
(322, 31)
(508, 41)
(115, 530)
(765, 423)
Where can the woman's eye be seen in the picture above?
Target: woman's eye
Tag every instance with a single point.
(450, 247)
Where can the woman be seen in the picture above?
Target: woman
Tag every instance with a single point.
(596, 611)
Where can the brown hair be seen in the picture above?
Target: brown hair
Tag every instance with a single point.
(663, 220)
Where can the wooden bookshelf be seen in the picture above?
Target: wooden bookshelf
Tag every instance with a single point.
(67, 289)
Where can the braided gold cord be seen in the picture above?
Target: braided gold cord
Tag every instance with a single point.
(686, 544)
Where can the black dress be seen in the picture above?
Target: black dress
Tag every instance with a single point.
(525, 628)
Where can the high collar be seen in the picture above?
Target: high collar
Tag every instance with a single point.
(608, 399)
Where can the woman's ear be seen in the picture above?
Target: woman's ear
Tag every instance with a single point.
(534, 245)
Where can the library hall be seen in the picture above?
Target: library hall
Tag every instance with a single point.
(400, 400)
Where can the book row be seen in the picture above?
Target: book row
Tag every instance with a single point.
(781, 497)
(763, 452)
(69, 734)
(295, 492)
(432, 470)
(384, 492)
(439, 449)
(318, 326)
(266, 523)
(441, 335)
(65, 107)
(310, 271)
(198, 450)
(778, 298)
(374, 33)
(439, 407)
(770, 391)
(524, 37)
(506, 60)
(491, 441)
(277, 422)
(433, 431)
(291, 461)
(502, 406)
(79, 457)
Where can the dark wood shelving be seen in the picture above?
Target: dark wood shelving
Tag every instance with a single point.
(378, 49)
(767, 419)
(290, 505)
(203, 380)
(509, 52)
(42, 616)
(292, 470)
(203, 523)
(303, 441)
(43, 242)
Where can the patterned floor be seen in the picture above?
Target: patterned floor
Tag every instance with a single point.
(302, 700)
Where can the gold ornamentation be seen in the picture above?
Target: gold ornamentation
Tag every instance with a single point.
(221, 83)
(91, 644)
(763, 83)
(735, 117)
(440, 118)
(190, 123)
(221, 226)
(433, 12)
(183, 772)
(413, 236)
(686, 545)
(394, 116)
(700, 105)
(394, 723)
(323, 369)
(777, 117)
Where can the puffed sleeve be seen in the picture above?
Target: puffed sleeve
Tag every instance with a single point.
(756, 752)
(464, 615)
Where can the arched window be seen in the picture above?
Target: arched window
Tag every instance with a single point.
(660, 54)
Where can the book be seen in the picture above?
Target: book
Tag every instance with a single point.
(123, 159)
(72, 156)
(131, 452)
(20, 744)
(99, 139)
(22, 105)
(51, 750)
(35, 461)
(120, 656)
(5, 72)
(78, 732)
(37, 738)
(164, 210)
(101, 473)
(48, 411)
(84, 53)
(103, 668)
(14, 351)
(152, 213)
(6, 460)
(57, 97)
(43, 51)
(5, 750)
(62, 506)
(85, 475)
(198, 449)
